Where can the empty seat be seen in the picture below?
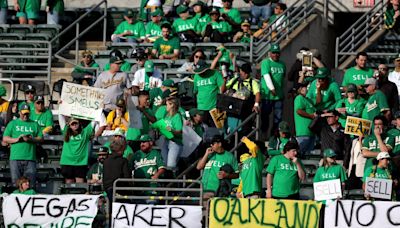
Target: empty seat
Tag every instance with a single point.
(22, 29)
(37, 36)
(306, 193)
(52, 30)
(75, 188)
(11, 36)
(4, 28)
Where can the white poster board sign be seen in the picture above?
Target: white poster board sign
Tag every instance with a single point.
(49, 210)
(83, 102)
(140, 215)
(191, 141)
(135, 116)
(360, 213)
(326, 190)
(378, 188)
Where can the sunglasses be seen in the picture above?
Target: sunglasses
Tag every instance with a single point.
(198, 56)
(74, 123)
(39, 102)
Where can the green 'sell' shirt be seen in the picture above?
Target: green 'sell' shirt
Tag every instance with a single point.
(23, 150)
(357, 77)
(221, 26)
(371, 143)
(352, 109)
(233, 13)
(44, 119)
(167, 47)
(75, 152)
(329, 96)
(330, 173)
(153, 29)
(376, 104)
(286, 180)
(214, 162)
(181, 25)
(277, 71)
(207, 87)
(202, 22)
(137, 29)
(302, 123)
(251, 174)
(379, 173)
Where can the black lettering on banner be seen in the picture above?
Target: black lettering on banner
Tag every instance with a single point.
(348, 221)
(153, 216)
(122, 209)
(251, 212)
(50, 209)
(282, 213)
(137, 215)
(216, 201)
(35, 204)
(373, 214)
(71, 207)
(359, 127)
(236, 210)
(174, 217)
(311, 208)
(20, 207)
(389, 216)
(82, 206)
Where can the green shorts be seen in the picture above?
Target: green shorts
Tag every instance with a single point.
(28, 14)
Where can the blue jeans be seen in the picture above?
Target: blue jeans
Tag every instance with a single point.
(128, 40)
(170, 152)
(53, 18)
(24, 168)
(257, 12)
(306, 144)
(3, 15)
(267, 107)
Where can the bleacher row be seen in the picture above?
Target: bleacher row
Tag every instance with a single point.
(28, 32)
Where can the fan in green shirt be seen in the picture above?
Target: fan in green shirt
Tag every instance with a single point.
(200, 10)
(129, 30)
(95, 173)
(23, 187)
(216, 30)
(80, 74)
(277, 143)
(359, 73)
(185, 26)
(166, 47)
(395, 134)
(377, 103)
(27, 11)
(285, 173)
(304, 112)
(350, 106)
(230, 15)
(153, 28)
(273, 72)
(42, 116)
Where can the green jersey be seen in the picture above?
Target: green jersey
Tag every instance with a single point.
(357, 77)
(277, 71)
(181, 25)
(305, 104)
(137, 29)
(23, 150)
(207, 87)
(175, 122)
(352, 109)
(3, 4)
(167, 47)
(44, 119)
(214, 162)
(371, 143)
(395, 134)
(330, 173)
(27, 192)
(233, 13)
(95, 170)
(76, 151)
(156, 98)
(128, 150)
(286, 180)
(133, 133)
(202, 22)
(146, 164)
(329, 95)
(251, 174)
(153, 29)
(125, 67)
(221, 26)
(376, 104)
(56, 5)
(376, 172)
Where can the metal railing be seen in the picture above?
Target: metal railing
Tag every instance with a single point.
(283, 26)
(79, 34)
(359, 33)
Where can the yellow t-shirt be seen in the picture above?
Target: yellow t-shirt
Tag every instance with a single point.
(116, 122)
(4, 106)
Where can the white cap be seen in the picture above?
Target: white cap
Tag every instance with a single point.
(370, 81)
(382, 155)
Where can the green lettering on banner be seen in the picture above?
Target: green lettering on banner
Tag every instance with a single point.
(252, 212)
(226, 211)
(236, 210)
(297, 215)
(316, 210)
(282, 210)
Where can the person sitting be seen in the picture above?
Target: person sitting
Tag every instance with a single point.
(216, 30)
(118, 118)
(185, 26)
(153, 28)
(278, 21)
(262, 31)
(167, 46)
(200, 13)
(125, 65)
(144, 79)
(23, 187)
(80, 74)
(130, 31)
(243, 36)
(95, 174)
(230, 14)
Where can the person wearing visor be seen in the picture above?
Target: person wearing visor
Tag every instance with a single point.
(22, 135)
(80, 73)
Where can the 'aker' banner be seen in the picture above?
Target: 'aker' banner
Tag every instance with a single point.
(49, 210)
(227, 212)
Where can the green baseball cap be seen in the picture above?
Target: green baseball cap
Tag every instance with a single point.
(352, 88)
(329, 153)
(103, 151)
(201, 67)
(284, 127)
(182, 9)
(145, 138)
(322, 72)
(168, 83)
(129, 13)
(157, 12)
(195, 111)
(149, 66)
(3, 91)
(275, 48)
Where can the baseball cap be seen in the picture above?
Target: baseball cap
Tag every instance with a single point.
(352, 88)
(25, 109)
(116, 60)
(329, 153)
(275, 48)
(157, 12)
(199, 3)
(397, 114)
(129, 13)
(245, 22)
(149, 66)
(30, 88)
(382, 155)
(168, 83)
(195, 111)
(246, 67)
(103, 151)
(3, 91)
(201, 67)
(322, 72)
(182, 9)
(284, 127)
(119, 132)
(218, 138)
(38, 98)
(121, 103)
(73, 120)
(214, 11)
(370, 81)
(145, 138)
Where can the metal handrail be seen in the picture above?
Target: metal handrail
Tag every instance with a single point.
(79, 34)
(359, 33)
(294, 15)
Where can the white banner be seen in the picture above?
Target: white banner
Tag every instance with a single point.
(358, 213)
(326, 190)
(49, 210)
(378, 188)
(142, 216)
(83, 102)
(191, 141)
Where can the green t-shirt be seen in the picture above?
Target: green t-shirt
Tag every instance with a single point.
(156, 98)
(76, 151)
(137, 29)
(202, 22)
(153, 29)
(167, 47)
(81, 70)
(23, 150)
(3, 4)
(214, 162)
(357, 77)
(277, 71)
(329, 96)
(181, 25)
(286, 180)
(207, 87)
(371, 143)
(251, 174)
(233, 13)
(395, 134)
(302, 123)
(125, 67)
(128, 150)
(133, 133)
(96, 168)
(221, 26)
(27, 192)
(162, 112)
(145, 165)
(376, 104)
(44, 119)
(175, 122)
(275, 146)
(330, 173)
(353, 109)
(379, 173)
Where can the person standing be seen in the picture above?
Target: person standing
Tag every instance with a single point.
(27, 11)
(23, 134)
(55, 10)
(376, 103)
(260, 10)
(42, 116)
(394, 76)
(3, 11)
(350, 105)
(80, 74)
(387, 87)
(359, 73)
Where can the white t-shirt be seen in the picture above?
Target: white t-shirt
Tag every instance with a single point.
(395, 78)
(153, 3)
(139, 80)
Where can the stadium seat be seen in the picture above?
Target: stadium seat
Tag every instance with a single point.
(38, 36)
(306, 193)
(11, 36)
(21, 29)
(52, 30)
(75, 188)
(4, 28)
(355, 194)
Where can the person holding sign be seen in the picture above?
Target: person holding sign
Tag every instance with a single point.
(350, 105)
(285, 172)
(379, 171)
(75, 150)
